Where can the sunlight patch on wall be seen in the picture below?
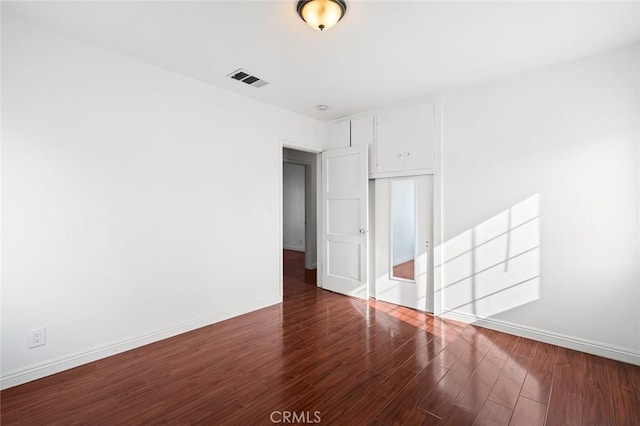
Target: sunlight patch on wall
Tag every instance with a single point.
(494, 266)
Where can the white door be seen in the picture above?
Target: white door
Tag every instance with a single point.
(404, 222)
(344, 224)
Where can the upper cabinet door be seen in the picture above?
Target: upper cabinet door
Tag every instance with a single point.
(392, 133)
(362, 133)
(406, 139)
(340, 135)
(419, 149)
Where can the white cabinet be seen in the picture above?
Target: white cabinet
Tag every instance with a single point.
(363, 133)
(400, 140)
(356, 131)
(406, 139)
(340, 136)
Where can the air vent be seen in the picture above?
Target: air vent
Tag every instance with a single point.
(245, 77)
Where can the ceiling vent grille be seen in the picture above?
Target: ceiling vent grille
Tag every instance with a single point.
(247, 78)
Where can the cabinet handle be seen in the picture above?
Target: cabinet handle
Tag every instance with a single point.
(406, 154)
(398, 155)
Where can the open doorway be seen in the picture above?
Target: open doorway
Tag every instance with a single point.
(294, 207)
(299, 217)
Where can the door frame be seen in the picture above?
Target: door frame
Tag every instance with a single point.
(306, 166)
(318, 166)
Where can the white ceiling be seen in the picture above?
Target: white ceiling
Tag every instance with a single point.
(382, 52)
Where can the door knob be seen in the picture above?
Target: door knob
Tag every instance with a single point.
(362, 231)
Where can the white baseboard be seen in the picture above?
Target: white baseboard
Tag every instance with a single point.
(37, 371)
(294, 248)
(582, 345)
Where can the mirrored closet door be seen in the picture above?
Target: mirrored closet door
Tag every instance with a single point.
(404, 223)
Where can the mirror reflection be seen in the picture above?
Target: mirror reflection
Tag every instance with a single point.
(403, 229)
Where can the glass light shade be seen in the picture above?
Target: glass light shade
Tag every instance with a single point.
(322, 14)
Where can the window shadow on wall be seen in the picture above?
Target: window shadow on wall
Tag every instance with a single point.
(493, 266)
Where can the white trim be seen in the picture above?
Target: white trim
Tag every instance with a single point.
(293, 248)
(57, 365)
(319, 218)
(296, 162)
(298, 147)
(583, 345)
(402, 173)
(280, 155)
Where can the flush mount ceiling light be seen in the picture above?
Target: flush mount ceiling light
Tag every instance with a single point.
(321, 14)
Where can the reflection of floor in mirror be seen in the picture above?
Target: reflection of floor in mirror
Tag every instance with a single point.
(404, 270)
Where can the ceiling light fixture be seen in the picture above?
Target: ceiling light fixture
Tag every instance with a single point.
(321, 14)
(322, 107)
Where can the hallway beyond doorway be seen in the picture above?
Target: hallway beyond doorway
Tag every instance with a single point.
(294, 271)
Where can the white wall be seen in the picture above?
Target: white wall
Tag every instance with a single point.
(293, 206)
(130, 196)
(551, 157)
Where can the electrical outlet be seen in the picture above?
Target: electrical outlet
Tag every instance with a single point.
(37, 337)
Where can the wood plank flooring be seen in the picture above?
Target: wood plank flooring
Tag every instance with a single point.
(343, 360)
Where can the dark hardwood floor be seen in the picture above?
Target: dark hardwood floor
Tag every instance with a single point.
(321, 356)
